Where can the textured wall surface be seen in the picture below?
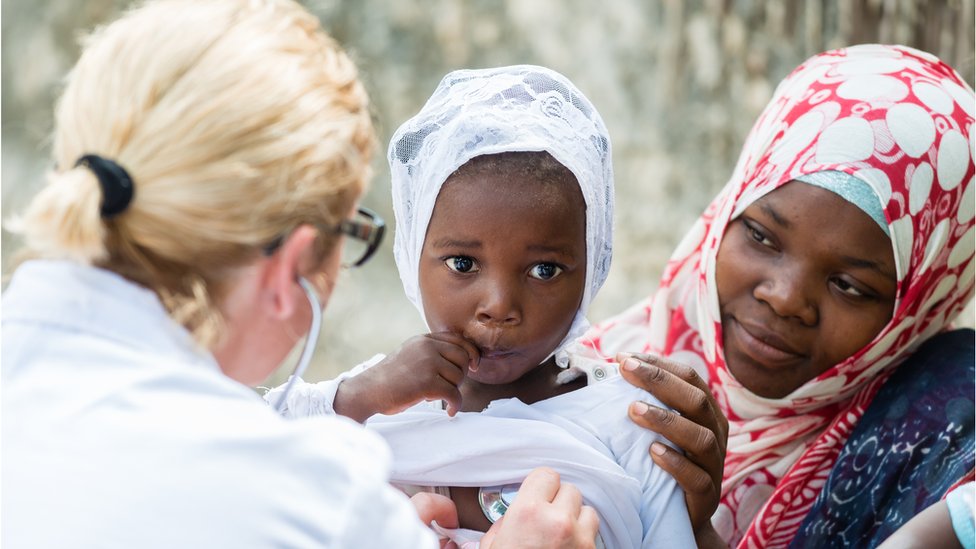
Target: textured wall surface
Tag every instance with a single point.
(678, 83)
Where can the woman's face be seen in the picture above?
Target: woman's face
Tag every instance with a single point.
(503, 265)
(805, 280)
(267, 312)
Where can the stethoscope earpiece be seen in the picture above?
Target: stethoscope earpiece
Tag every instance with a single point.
(310, 341)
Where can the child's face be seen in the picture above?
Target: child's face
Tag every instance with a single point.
(503, 265)
(805, 280)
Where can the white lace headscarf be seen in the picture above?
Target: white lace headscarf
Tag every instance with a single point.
(520, 108)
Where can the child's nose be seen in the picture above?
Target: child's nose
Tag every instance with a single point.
(499, 305)
(790, 294)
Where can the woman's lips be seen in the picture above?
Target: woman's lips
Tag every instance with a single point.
(762, 346)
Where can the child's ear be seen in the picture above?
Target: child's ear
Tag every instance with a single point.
(289, 262)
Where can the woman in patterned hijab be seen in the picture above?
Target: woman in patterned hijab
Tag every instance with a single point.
(842, 243)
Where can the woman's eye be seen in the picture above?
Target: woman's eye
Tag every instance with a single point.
(848, 289)
(461, 264)
(757, 235)
(545, 271)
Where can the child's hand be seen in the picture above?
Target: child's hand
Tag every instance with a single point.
(427, 367)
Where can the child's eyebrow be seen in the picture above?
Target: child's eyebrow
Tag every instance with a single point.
(448, 242)
(544, 248)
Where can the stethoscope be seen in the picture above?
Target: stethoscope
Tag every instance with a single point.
(311, 340)
(494, 500)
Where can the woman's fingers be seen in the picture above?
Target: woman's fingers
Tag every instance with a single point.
(679, 387)
(541, 484)
(696, 425)
(435, 507)
(546, 513)
(702, 494)
(589, 522)
(568, 497)
(695, 478)
(695, 440)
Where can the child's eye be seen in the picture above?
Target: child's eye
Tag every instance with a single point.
(461, 264)
(545, 271)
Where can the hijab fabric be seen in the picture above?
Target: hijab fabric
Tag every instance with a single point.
(899, 120)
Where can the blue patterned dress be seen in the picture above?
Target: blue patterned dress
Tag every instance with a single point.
(915, 440)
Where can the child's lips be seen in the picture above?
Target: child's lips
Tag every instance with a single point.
(495, 354)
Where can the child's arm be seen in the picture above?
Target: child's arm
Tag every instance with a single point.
(428, 367)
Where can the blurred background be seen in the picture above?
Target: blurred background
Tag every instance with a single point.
(679, 84)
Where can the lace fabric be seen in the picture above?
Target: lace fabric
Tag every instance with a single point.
(488, 111)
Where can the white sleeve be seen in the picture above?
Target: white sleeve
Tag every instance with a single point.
(384, 517)
(373, 513)
(315, 399)
(663, 512)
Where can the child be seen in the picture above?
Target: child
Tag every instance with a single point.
(503, 192)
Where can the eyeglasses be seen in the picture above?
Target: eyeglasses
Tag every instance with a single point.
(365, 231)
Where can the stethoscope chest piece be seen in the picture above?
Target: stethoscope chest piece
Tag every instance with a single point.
(495, 500)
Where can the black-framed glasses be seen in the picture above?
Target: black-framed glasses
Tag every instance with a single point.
(365, 232)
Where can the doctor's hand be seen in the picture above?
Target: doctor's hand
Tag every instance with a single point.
(696, 425)
(546, 514)
(436, 508)
(426, 367)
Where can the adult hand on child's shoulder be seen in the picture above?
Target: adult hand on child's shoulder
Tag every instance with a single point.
(546, 514)
(425, 367)
(696, 425)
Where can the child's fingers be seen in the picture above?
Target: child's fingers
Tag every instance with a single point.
(471, 356)
(449, 361)
(450, 394)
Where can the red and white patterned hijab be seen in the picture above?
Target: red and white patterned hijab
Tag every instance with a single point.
(901, 121)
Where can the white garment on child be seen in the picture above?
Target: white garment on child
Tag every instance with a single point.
(585, 435)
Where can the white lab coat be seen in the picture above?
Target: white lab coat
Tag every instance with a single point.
(118, 432)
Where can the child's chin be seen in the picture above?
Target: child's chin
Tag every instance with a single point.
(500, 371)
(489, 378)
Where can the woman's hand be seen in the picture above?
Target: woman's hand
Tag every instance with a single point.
(436, 508)
(546, 514)
(701, 430)
(427, 367)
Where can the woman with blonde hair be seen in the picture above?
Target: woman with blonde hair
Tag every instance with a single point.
(209, 160)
